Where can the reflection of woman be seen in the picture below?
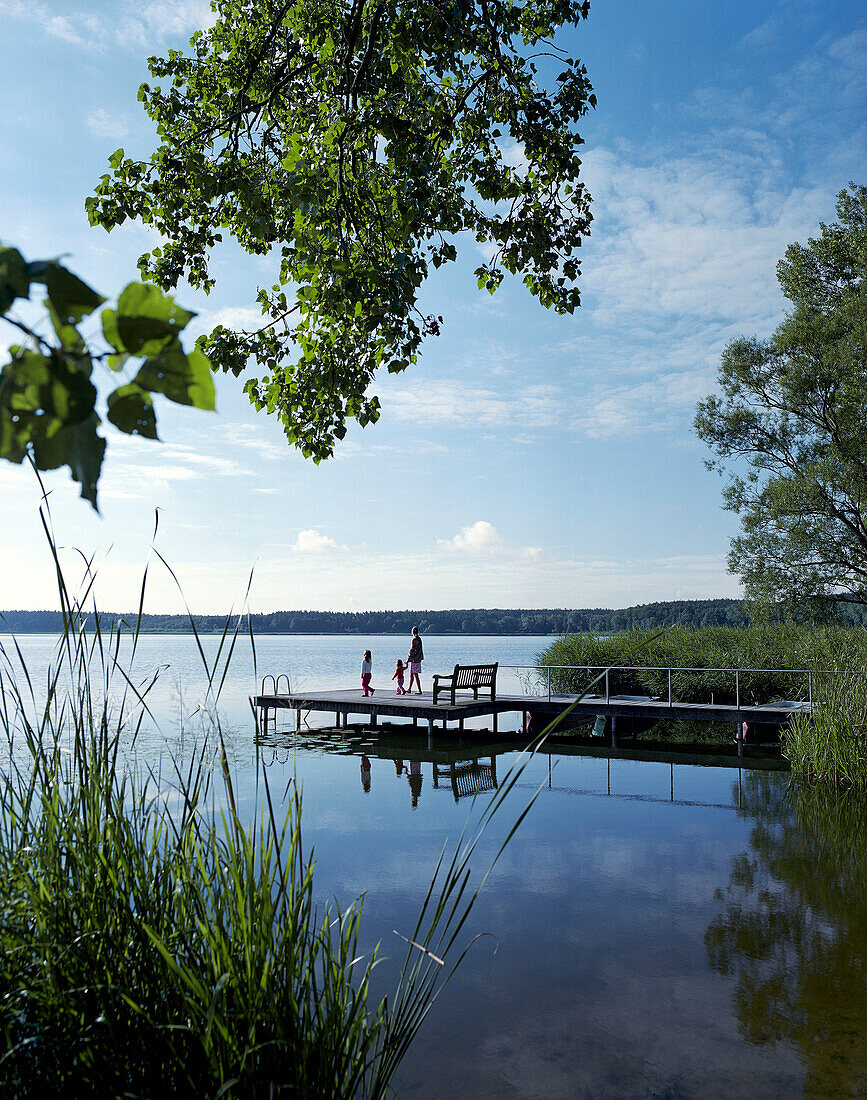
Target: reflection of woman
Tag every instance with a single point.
(414, 659)
(365, 775)
(415, 781)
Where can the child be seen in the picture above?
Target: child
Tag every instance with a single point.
(366, 673)
(398, 675)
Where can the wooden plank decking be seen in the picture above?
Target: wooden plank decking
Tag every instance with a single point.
(343, 702)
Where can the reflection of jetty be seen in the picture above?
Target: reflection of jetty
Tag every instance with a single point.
(481, 755)
(614, 713)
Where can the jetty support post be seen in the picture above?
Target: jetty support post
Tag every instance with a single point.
(298, 720)
(430, 729)
(337, 719)
(373, 719)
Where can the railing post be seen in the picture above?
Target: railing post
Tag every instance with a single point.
(810, 682)
(607, 692)
(737, 689)
(549, 683)
(669, 687)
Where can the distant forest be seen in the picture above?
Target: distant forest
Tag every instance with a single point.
(467, 621)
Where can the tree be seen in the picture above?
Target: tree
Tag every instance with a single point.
(792, 409)
(354, 141)
(48, 402)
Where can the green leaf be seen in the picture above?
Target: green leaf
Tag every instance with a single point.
(46, 385)
(84, 454)
(72, 299)
(68, 335)
(117, 362)
(147, 320)
(185, 379)
(131, 409)
(14, 282)
(109, 329)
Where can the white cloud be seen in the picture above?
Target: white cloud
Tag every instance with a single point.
(509, 579)
(450, 401)
(130, 25)
(242, 318)
(692, 237)
(312, 542)
(250, 438)
(479, 538)
(658, 404)
(104, 123)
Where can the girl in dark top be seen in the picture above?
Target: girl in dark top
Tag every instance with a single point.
(414, 660)
(366, 672)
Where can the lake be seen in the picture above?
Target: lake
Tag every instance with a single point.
(652, 929)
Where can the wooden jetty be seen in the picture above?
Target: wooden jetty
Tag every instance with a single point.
(536, 710)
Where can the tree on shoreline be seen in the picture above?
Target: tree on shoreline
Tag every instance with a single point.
(355, 141)
(792, 409)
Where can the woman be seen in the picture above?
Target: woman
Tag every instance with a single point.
(414, 659)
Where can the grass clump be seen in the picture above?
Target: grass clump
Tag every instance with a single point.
(152, 944)
(831, 747)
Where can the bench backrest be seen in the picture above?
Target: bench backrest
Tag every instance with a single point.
(474, 675)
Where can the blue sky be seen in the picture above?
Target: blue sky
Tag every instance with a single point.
(529, 460)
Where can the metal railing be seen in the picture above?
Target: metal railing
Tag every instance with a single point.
(604, 672)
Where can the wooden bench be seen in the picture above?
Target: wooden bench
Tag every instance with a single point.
(472, 678)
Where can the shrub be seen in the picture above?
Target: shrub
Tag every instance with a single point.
(780, 646)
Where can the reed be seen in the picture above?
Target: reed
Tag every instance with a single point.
(831, 747)
(154, 943)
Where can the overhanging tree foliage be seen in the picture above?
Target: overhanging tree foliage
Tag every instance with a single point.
(792, 409)
(48, 402)
(354, 140)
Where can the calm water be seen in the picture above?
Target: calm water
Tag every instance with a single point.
(654, 930)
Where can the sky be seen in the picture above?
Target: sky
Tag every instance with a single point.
(529, 459)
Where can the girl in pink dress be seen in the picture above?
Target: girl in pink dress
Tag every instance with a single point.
(398, 675)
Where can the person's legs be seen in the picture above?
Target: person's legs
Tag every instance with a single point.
(365, 682)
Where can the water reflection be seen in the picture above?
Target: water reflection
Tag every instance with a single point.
(466, 777)
(792, 930)
(601, 984)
